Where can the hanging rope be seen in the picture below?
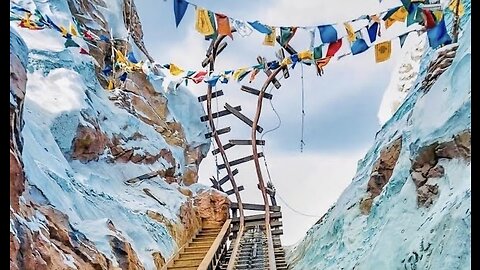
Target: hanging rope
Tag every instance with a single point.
(216, 125)
(302, 142)
(265, 159)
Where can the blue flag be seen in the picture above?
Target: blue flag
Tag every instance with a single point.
(213, 80)
(372, 32)
(260, 27)
(359, 46)
(107, 70)
(403, 38)
(438, 35)
(328, 34)
(104, 38)
(132, 58)
(123, 77)
(179, 8)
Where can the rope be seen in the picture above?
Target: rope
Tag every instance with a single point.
(264, 156)
(302, 142)
(216, 125)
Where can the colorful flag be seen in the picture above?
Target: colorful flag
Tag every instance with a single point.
(372, 31)
(398, 16)
(131, 58)
(270, 38)
(211, 16)
(253, 75)
(73, 31)
(359, 46)
(199, 76)
(305, 55)
(429, 19)
(286, 61)
(328, 34)
(350, 32)
(286, 34)
(383, 51)
(110, 84)
(179, 8)
(107, 70)
(317, 52)
(123, 77)
(242, 28)
(438, 35)
(202, 22)
(414, 14)
(212, 80)
(175, 70)
(402, 39)
(223, 25)
(453, 7)
(70, 43)
(83, 51)
(333, 48)
(262, 28)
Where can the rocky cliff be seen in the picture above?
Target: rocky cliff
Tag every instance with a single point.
(77, 149)
(409, 204)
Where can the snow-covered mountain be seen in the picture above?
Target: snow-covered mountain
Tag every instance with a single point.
(74, 145)
(409, 204)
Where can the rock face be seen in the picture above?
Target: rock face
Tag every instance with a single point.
(212, 206)
(73, 145)
(409, 204)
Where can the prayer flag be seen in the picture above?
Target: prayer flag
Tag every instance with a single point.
(334, 47)
(359, 46)
(328, 34)
(202, 22)
(402, 39)
(262, 28)
(198, 78)
(73, 31)
(223, 25)
(372, 31)
(131, 58)
(70, 43)
(305, 55)
(286, 34)
(83, 51)
(242, 28)
(270, 38)
(438, 35)
(179, 8)
(350, 32)
(383, 51)
(453, 7)
(175, 70)
(317, 52)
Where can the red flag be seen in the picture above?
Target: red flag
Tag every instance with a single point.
(83, 51)
(87, 35)
(334, 47)
(198, 78)
(429, 20)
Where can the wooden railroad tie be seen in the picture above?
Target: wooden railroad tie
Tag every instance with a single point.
(242, 117)
(231, 191)
(219, 114)
(255, 207)
(246, 142)
(239, 161)
(225, 147)
(215, 94)
(219, 132)
(255, 92)
(220, 49)
(216, 185)
(225, 178)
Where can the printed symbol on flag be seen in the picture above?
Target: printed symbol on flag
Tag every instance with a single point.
(383, 51)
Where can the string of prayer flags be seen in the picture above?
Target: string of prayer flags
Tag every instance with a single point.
(286, 34)
(202, 22)
(223, 25)
(453, 7)
(270, 38)
(179, 8)
(328, 33)
(383, 51)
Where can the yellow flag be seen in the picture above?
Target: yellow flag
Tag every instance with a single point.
(350, 32)
(120, 58)
(110, 84)
(175, 70)
(270, 38)
(64, 31)
(305, 55)
(453, 7)
(238, 73)
(73, 30)
(383, 51)
(202, 22)
(286, 61)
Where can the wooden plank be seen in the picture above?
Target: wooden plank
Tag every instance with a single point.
(231, 191)
(213, 253)
(255, 92)
(220, 49)
(226, 178)
(242, 117)
(225, 147)
(246, 142)
(142, 177)
(273, 224)
(214, 95)
(267, 71)
(239, 161)
(219, 132)
(219, 114)
(256, 207)
(258, 217)
(277, 232)
(216, 185)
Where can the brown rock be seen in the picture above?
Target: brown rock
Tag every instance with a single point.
(190, 176)
(426, 195)
(158, 260)
(125, 157)
(185, 191)
(212, 205)
(447, 150)
(116, 150)
(17, 180)
(426, 155)
(125, 255)
(167, 155)
(463, 142)
(436, 172)
(418, 179)
(88, 144)
(137, 158)
(366, 205)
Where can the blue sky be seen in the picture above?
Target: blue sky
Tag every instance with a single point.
(341, 106)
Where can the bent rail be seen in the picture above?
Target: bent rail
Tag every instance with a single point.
(212, 258)
(219, 144)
